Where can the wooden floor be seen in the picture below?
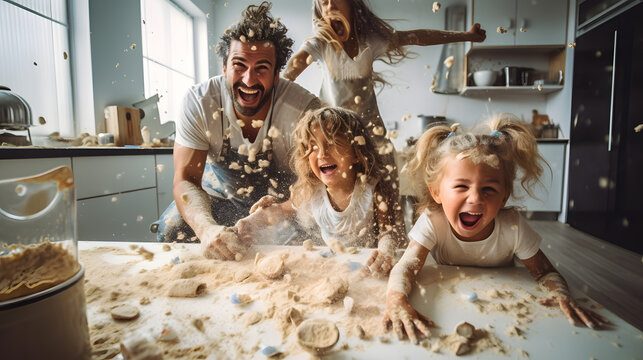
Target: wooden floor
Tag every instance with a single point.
(606, 273)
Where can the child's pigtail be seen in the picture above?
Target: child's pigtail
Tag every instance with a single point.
(425, 146)
(522, 146)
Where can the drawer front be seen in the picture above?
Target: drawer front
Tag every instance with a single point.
(103, 175)
(18, 168)
(164, 180)
(121, 217)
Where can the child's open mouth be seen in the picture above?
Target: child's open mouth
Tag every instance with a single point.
(338, 27)
(469, 220)
(327, 169)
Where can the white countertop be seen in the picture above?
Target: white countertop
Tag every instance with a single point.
(548, 336)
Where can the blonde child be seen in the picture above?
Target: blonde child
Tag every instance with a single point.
(339, 189)
(348, 38)
(469, 178)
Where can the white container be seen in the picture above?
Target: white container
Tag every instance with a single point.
(484, 77)
(42, 298)
(50, 324)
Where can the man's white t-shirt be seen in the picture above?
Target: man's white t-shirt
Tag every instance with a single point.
(511, 236)
(198, 120)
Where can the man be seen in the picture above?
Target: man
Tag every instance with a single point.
(236, 127)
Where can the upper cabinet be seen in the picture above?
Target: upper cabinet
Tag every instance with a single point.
(527, 22)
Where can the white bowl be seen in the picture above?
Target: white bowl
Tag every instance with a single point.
(484, 77)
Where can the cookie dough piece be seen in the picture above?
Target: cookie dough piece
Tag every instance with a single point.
(241, 275)
(125, 312)
(186, 288)
(271, 267)
(251, 318)
(307, 245)
(336, 246)
(465, 329)
(317, 335)
(329, 290)
(460, 346)
(188, 270)
(140, 347)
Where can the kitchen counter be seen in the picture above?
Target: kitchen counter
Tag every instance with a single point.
(223, 333)
(51, 152)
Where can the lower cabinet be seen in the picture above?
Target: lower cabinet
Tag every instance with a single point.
(549, 191)
(164, 180)
(118, 217)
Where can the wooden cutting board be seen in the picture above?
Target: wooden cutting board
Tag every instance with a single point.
(125, 124)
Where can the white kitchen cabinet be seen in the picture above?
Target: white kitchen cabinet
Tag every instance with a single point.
(164, 180)
(549, 191)
(544, 22)
(102, 175)
(118, 217)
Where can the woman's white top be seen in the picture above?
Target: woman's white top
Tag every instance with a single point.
(344, 78)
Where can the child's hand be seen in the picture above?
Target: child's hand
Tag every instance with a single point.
(264, 202)
(404, 318)
(381, 260)
(223, 243)
(476, 33)
(556, 288)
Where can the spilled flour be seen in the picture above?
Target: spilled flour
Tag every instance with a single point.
(35, 268)
(214, 321)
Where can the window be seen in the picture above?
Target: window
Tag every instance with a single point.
(168, 54)
(35, 58)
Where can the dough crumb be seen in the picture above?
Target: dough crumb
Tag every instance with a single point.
(125, 312)
(317, 335)
(308, 245)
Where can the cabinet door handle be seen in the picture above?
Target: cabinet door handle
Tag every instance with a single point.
(609, 136)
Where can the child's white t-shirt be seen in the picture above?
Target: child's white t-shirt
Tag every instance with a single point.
(511, 236)
(354, 226)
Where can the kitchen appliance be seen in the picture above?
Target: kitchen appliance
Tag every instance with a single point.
(517, 76)
(125, 124)
(15, 113)
(449, 77)
(42, 299)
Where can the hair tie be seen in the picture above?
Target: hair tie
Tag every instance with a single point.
(495, 133)
(452, 133)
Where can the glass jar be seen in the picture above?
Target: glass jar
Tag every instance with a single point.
(38, 247)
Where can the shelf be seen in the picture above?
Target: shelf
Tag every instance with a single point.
(508, 90)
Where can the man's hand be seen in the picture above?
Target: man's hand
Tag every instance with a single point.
(404, 318)
(476, 33)
(223, 243)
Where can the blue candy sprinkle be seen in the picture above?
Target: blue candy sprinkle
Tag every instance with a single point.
(269, 350)
(354, 265)
(235, 299)
(326, 254)
(472, 297)
(176, 260)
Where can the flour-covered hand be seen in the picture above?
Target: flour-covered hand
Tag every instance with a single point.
(223, 243)
(404, 318)
(558, 294)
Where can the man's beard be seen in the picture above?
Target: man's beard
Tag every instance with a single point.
(244, 110)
